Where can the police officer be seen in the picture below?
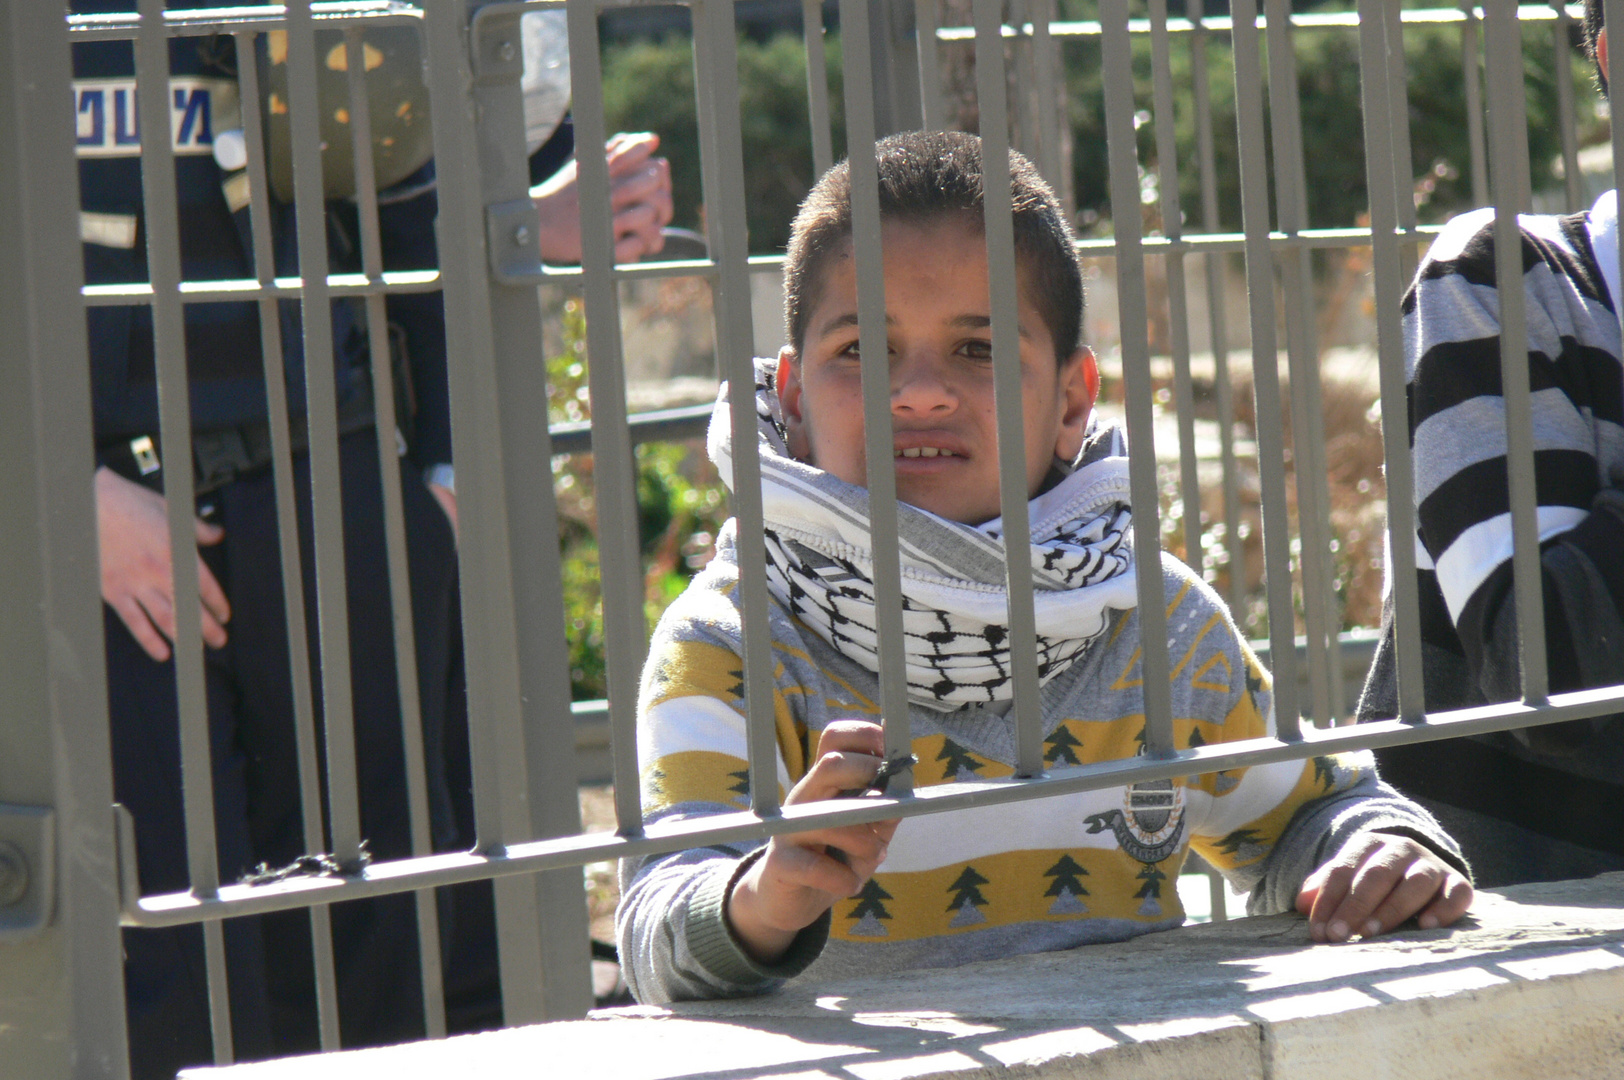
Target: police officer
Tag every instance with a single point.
(249, 688)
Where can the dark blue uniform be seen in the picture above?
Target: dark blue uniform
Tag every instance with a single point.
(248, 681)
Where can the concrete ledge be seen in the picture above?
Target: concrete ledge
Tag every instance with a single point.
(1532, 985)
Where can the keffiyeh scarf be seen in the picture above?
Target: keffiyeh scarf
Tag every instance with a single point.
(955, 615)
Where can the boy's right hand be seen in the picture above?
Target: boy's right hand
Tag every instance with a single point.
(797, 880)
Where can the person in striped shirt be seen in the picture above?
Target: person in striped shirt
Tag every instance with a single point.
(1541, 803)
(1323, 834)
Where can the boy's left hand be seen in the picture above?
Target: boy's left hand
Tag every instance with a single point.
(1377, 881)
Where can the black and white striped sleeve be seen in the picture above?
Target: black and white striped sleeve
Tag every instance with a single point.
(1458, 438)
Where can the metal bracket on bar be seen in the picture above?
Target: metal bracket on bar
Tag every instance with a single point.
(511, 232)
(129, 881)
(27, 870)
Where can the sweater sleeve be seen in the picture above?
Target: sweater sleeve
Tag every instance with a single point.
(674, 941)
(1457, 428)
(1267, 827)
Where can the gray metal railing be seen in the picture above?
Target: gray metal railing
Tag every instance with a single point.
(53, 726)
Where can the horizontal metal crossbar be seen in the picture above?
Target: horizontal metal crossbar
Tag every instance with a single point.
(405, 875)
(1307, 20)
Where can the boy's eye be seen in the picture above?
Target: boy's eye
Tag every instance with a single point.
(977, 349)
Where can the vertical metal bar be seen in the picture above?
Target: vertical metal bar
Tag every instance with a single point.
(817, 87)
(1178, 314)
(1471, 70)
(999, 226)
(613, 463)
(64, 987)
(1561, 56)
(1508, 143)
(1386, 192)
(541, 794)
(1217, 317)
(1134, 323)
(871, 341)
(706, 120)
(1217, 894)
(495, 439)
(394, 518)
(1398, 102)
(735, 337)
(321, 393)
(1265, 364)
(1308, 426)
(932, 103)
(1613, 15)
(292, 560)
(162, 224)
(1045, 70)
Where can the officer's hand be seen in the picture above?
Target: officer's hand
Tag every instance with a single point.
(797, 879)
(133, 529)
(448, 502)
(1377, 881)
(639, 199)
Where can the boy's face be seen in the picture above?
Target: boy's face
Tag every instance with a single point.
(939, 333)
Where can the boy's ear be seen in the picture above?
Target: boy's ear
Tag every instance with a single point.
(788, 383)
(1079, 386)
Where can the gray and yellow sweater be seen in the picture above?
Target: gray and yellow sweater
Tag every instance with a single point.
(968, 885)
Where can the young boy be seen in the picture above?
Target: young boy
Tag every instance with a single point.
(1542, 803)
(973, 884)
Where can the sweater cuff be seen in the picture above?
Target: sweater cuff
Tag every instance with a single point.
(1451, 855)
(713, 945)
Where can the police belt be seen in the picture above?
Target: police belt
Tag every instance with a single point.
(222, 455)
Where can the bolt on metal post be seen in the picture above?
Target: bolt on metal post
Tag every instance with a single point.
(13, 875)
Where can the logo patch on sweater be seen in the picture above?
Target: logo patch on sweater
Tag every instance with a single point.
(1150, 824)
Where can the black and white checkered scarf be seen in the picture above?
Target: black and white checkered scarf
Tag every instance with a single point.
(955, 613)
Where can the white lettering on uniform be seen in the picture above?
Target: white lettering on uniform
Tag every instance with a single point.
(108, 123)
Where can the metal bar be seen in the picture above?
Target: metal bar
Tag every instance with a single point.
(394, 518)
(1471, 69)
(384, 878)
(1045, 71)
(292, 559)
(539, 788)
(1613, 15)
(326, 494)
(817, 86)
(705, 118)
(1398, 101)
(206, 22)
(415, 281)
(932, 102)
(287, 288)
(1154, 664)
(1316, 20)
(1002, 275)
(64, 986)
(1265, 364)
(162, 224)
(1386, 192)
(484, 556)
(735, 336)
(1508, 143)
(1217, 317)
(1178, 313)
(1561, 55)
(858, 65)
(614, 466)
(1308, 424)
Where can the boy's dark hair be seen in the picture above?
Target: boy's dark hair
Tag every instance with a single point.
(926, 175)
(1592, 29)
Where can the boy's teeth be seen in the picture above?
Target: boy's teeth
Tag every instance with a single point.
(924, 451)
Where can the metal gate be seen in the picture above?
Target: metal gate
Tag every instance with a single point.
(66, 880)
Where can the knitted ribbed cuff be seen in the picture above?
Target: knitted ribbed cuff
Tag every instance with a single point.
(713, 945)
